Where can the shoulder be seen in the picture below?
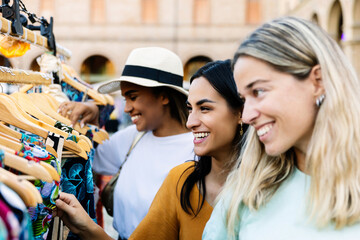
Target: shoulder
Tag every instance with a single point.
(181, 171)
(126, 133)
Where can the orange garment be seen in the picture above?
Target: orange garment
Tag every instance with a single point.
(10, 47)
(166, 219)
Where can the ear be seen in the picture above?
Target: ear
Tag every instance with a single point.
(315, 77)
(164, 99)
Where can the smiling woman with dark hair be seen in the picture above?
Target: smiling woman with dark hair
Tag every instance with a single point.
(185, 200)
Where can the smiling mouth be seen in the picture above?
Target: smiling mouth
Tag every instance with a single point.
(134, 118)
(200, 137)
(264, 130)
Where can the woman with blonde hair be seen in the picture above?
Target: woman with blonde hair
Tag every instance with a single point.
(299, 176)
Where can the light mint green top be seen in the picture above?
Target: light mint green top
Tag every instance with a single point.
(283, 217)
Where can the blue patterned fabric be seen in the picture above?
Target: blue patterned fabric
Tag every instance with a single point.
(104, 113)
(72, 93)
(30, 139)
(77, 179)
(2, 156)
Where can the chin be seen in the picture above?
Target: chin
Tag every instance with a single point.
(273, 152)
(140, 128)
(200, 153)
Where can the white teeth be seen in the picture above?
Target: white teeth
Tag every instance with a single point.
(133, 118)
(264, 130)
(201, 135)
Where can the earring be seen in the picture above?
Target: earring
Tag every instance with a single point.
(241, 129)
(320, 100)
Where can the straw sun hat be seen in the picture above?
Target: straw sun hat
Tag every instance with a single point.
(150, 67)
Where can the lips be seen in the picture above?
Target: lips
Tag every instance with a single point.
(135, 118)
(200, 137)
(264, 129)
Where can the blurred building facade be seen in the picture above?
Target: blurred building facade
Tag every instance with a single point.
(101, 34)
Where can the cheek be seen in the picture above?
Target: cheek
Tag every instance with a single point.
(227, 127)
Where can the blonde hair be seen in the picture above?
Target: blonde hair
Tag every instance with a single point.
(295, 46)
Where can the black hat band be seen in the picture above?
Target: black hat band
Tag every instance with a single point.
(152, 74)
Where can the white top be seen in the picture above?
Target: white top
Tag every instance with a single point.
(283, 217)
(142, 174)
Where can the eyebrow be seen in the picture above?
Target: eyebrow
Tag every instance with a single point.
(130, 92)
(250, 85)
(201, 101)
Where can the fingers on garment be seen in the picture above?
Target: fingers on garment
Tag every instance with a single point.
(77, 114)
(66, 108)
(86, 118)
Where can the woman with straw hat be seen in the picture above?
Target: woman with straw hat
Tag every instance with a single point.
(151, 84)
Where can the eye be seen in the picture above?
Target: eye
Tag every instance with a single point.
(205, 109)
(258, 92)
(132, 97)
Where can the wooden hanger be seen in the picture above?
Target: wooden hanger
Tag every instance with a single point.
(109, 99)
(82, 88)
(67, 143)
(11, 132)
(13, 147)
(33, 189)
(55, 106)
(23, 101)
(73, 74)
(105, 133)
(11, 180)
(26, 104)
(52, 101)
(41, 101)
(26, 88)
(23, 165)
(49, 114)
(9, 114)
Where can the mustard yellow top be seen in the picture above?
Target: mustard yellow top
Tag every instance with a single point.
(166, 219)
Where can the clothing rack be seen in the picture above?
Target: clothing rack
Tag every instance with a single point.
(32, 37)
(18, 76)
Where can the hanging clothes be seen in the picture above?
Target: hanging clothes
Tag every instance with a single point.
(19, 210)
(41, 215)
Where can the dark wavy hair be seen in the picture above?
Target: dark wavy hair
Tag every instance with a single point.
(220, 76)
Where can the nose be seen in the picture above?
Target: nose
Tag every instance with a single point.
(128, 106)
(250, 113)
(193, 121)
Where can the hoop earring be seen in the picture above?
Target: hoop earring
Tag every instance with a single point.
(320, 100)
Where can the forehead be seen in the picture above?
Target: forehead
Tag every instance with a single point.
(201, 88)
(127, 87)
(249, 69)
